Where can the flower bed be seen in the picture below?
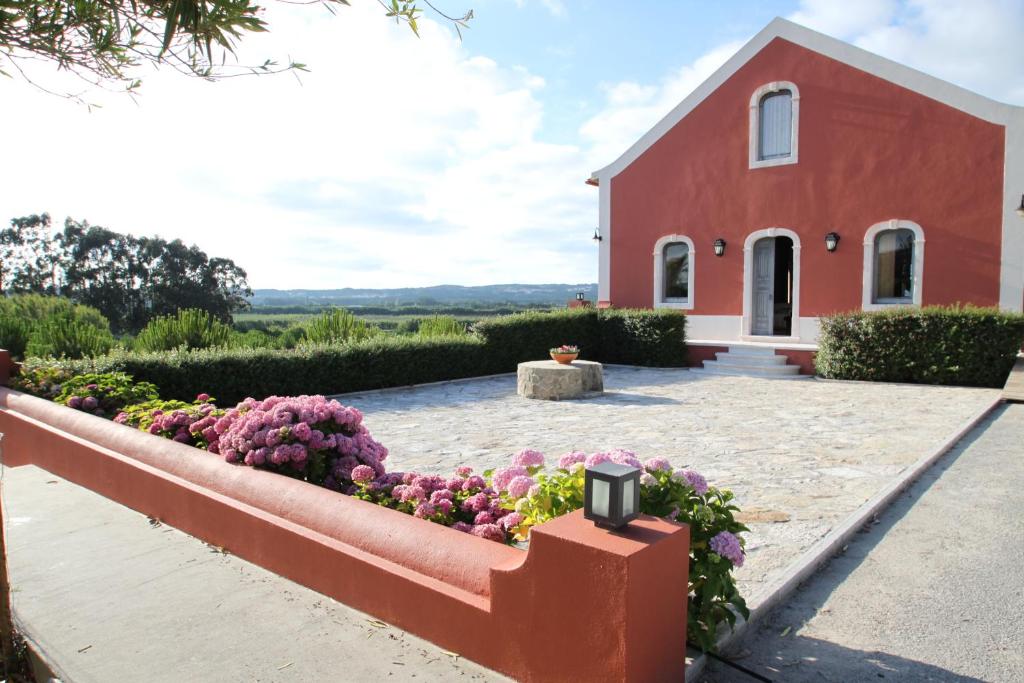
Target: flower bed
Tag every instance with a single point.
(325, 443)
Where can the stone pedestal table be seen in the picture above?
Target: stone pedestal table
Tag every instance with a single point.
(553, 381)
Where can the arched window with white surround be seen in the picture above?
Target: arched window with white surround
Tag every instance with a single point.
(893, 265)
(774, 124)
(673, 272)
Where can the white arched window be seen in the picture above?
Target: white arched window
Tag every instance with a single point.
(893, 264)
(673, 272)
(774, 124)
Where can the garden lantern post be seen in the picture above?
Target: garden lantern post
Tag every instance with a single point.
(611, 494)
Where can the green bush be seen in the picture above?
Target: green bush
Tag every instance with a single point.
(440, 326)
(643, 337)
(338, 325)
(35, 308)
(512, 339)
(233, 374)
(64, 337)
(291, 337)
(14, 333)
(935, 345)
(191, 328)
(104, 394)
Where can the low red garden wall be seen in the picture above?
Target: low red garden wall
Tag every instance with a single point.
(581, 604)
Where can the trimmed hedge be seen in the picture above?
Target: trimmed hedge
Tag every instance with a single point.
(233, 374)
(621, 336)
(934, 345)
(643, 337)
(513, 339)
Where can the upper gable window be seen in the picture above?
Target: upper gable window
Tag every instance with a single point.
(774, 124)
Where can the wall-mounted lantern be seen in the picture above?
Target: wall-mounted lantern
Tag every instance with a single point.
(832, 241)
(719, 247)
(1020, 209)
(579, 296)
(597, 235)
(611, 494)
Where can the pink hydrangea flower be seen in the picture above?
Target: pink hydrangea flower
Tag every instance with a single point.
(473, 482)
(502, 477)
(699, 483)
(597, 459)
(528, 458)
(463, 471)
(362, 474)
(569, 459)
(510, 521)
(484, 517)
(520, 486)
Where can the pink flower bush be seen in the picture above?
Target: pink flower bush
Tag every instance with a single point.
(697, 481)
(658, 465)
(310, 437)
(570, 459)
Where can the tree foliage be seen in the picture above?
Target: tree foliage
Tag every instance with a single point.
(129, 279)
(105, 41)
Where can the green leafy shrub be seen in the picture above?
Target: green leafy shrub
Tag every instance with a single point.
(234, 374)
(191, 328)
(65, 337)
(643, 337)
(35, 308)
(104, 394)
(42, 377)
(409, 326)
(934, 345)
(291, 337)
(14, 333)
(520, 337)
(338, 325)
(440, 326)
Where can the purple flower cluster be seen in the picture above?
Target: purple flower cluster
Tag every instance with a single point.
(697, 481)
(728, 546)
(322, 439)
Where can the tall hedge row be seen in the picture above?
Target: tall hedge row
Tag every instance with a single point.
(621, 336)
(933, 345)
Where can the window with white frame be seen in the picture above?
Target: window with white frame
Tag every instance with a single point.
(673, 272)
(893, 264)
(774, 124)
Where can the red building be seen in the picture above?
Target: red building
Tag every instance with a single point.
(823, 172)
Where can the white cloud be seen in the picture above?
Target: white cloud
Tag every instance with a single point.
(398, 161)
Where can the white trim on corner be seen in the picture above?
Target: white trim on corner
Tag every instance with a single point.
(604, 247)
(748, 275)
(1011, 273)
(754, 136)
(659, 274)
(868, 279)
(903, 76)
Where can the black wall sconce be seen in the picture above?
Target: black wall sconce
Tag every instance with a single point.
(597, 235)
(1020, 209)
(719, 247)
(579, 296)
(832, 241)
(611, 494)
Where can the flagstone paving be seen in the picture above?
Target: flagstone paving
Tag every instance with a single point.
(800, 456)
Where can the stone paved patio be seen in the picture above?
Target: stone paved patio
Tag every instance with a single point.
(799, 455)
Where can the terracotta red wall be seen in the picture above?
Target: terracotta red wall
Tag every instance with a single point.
(869, 151)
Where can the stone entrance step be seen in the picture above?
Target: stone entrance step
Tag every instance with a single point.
(751, 361)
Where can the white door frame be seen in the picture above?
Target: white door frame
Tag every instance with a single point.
(748, 280)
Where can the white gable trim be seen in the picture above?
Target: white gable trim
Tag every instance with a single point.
(904, 76)
(1011, 272)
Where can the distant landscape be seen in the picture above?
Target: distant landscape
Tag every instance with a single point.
(489, 296)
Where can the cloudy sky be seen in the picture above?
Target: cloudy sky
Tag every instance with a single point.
(408, 162)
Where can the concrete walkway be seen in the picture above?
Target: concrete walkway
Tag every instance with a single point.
(801, 457)
(106, 595)
(933, 591)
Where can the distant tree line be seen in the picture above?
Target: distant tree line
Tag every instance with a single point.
(129, 279)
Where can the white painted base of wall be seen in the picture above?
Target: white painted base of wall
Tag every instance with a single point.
(730, 328)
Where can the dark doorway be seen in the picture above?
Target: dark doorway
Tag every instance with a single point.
(783, 313)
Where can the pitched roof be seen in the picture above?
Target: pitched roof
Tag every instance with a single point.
(894, 72)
